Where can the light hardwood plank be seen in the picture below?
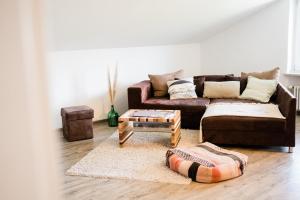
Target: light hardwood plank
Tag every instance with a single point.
(272, 173)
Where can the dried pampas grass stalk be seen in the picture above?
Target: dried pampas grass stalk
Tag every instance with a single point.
(109, 85)
(112, 90)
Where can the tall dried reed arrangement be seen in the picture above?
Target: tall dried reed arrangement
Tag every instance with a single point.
(112, 83)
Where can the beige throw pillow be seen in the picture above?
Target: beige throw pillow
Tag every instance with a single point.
(259, 89)
(159, 82)
(225, 89)
(268, 75)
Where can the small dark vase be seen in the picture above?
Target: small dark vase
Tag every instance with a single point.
(112, 117)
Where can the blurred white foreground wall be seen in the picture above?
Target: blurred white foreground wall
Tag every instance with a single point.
(28, 165)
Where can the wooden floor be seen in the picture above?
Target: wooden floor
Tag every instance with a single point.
(272, 173)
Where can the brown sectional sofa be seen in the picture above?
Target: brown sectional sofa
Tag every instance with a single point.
(224, 130)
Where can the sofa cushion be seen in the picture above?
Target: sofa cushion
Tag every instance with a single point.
(232, 101)
(223, 89)
(182, 89)
(187, 105)
(239, 123)
(259, 89)
(199, 81)
(268, 75)
(159, 82)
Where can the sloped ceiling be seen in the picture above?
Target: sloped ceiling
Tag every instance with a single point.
(86, 24)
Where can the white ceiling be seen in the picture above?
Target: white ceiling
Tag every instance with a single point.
(85, 24)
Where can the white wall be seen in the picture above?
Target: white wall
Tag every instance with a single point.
(80, 77)
(260, 42)
(296, 46)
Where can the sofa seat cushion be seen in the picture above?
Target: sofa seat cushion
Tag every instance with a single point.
(241, 123)
(232, 101)
(186, 105)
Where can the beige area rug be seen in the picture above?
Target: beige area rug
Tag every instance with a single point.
(142, 157)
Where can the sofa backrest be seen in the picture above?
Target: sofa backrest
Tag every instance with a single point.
(199, 83)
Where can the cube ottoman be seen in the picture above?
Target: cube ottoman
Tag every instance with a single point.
(77, 122)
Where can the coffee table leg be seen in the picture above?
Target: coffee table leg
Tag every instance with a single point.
(175, 134)
(125, 131)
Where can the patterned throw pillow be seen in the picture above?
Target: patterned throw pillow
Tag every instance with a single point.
(182, 89)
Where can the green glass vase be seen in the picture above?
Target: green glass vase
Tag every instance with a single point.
(112, 117)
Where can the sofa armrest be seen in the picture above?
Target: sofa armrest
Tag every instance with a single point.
(286, 101)
(287, 105)
(138, 93)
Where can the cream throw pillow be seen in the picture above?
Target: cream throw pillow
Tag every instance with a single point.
(259, 89)
(225, 89)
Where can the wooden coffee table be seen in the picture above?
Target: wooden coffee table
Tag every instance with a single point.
(150, 120)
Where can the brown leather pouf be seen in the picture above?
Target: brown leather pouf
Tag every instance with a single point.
(77, 122)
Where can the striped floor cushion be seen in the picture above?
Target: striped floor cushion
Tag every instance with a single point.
(206, 163)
